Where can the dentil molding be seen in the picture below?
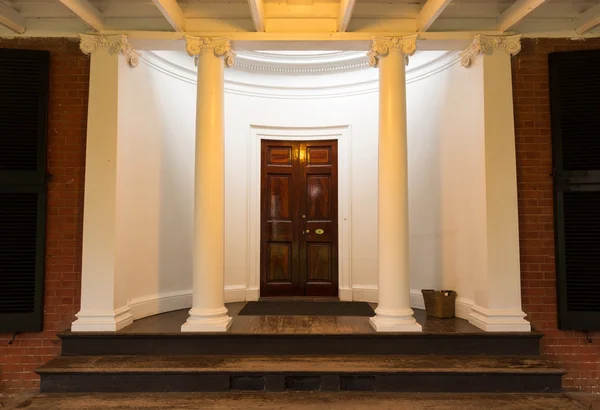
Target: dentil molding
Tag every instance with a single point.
(382, 45)
(221, 47)
(483, 44)
(304, 63)
(117, 44)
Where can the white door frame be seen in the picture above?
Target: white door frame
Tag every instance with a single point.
(341, 133)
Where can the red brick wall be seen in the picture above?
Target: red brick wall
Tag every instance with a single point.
(69, 84)
(534, 165)
(66, 161)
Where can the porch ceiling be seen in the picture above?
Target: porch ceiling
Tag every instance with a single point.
(533, 18)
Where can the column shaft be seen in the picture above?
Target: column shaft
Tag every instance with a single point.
(208, 311)
(393, 312)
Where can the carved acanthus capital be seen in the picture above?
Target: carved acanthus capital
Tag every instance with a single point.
(117, 44)
(221, 47)
(382, 46)
(483, 44)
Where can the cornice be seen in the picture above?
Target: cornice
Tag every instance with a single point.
(483, 44)
(220, 47)
(252, 84)
(117, 44)
(383, 45)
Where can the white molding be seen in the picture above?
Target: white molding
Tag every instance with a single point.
(289, 62)
(235, 293)
(345, 14)
(588, 20)
(158, 303)
(516, 13)
(11, 19)
(252, 294)
(365, 293)
(341, 133)
(86, 12)
(118, 44)
(464, 307)
(416, 299)
(155, 304)
(395, 320)
(172, 12)
(430, 12)
(433, 67)
(207, 320)
(488, 44)
(381, 46)
(289, 89)
(219, 46)
(102, 321)
(345, 294)
(499, 320)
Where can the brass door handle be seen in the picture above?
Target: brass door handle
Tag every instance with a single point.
(308, 231)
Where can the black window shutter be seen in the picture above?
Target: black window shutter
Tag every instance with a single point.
(24, 82)
(575, 112)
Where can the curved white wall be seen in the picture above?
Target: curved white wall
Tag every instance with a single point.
(446, 182)
(155, 171)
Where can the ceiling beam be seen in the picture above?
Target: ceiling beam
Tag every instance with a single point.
(172, 12)
(430, 12)
(588, 20)
(345, 14)
(86, 12)
(11, 19)
(257, 10)
(517, 12)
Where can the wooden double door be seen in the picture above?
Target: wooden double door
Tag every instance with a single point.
(299, 218)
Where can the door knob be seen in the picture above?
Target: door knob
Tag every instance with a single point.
(304, 216)
(308, 231)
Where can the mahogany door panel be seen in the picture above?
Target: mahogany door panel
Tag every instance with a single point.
(299, 218)
(279, 225)
(319, 206)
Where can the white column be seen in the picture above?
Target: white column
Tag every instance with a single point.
(103, 303)
(208, 313)
(393, 313)
(497, 295)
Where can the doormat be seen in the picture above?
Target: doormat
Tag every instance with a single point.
(307, 308)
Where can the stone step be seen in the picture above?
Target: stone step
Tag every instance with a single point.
(421, 343)
(84, 374)
(302, 401)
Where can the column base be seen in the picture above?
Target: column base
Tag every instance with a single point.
(207, 320)
(102, 321)
(394, 321)
(499, 320)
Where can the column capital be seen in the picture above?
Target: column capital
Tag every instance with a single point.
(116, 44)
(483, 44)
(219, 46)
(383, 45)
